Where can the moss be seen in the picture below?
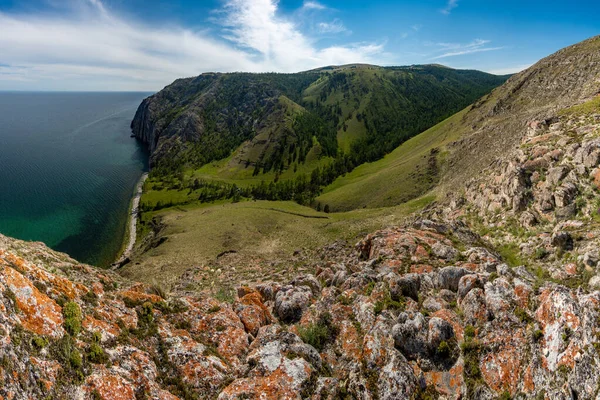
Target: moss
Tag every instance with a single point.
(72, 315)
(75, 359)
(369, 288)
(537, 334)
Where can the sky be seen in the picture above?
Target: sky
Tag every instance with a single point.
(143, 45)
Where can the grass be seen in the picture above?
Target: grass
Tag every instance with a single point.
(402, 175)
(198, 233)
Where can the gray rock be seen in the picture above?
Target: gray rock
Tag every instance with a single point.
(556, 174)
(407, 285)
(439, 331)
(562, 240)
(291, 301)
(309, 281)
(467, 283)
(449, 277)
(442, 251)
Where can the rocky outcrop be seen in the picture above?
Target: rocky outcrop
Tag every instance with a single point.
(405, 319)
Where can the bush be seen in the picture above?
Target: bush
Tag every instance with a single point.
(469, 331)
(75, 359)
(320, 333)
(96, 354)
(443, 349)
(72, 314)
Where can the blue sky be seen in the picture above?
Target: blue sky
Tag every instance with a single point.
(144, 45)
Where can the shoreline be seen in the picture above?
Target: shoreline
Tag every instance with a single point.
(132, 224)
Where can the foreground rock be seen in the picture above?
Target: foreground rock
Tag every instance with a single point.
(400, 321)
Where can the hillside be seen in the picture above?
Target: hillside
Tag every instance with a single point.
(485, 287)
(278, 122)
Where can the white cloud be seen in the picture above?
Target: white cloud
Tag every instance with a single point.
(90, 47)
(254, 25)
(458, 49)
(451, 5)
(313, 5)
(508, 70)
(335, 26)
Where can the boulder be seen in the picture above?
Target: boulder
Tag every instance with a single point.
(445, 252)
(407, 285)
(467, 283)
(291, 301)
(562, 240)
(439, 331)
(449, 277)
(309, 281)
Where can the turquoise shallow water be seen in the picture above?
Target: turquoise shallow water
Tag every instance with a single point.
(68, 169)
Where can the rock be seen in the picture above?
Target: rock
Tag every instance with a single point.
(309, 281)
(467, 283)
(565, 194)
(291, 301)
(407, 285)
(449, 277)
(556, 174)
(594, 282)
(562, 240)
(439, 331)
(443, 251)
(474, 307)
(410, 335)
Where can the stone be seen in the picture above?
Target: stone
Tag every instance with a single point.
(448, 277)
(562, 240)
(291, 301)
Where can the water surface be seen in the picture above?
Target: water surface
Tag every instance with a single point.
(68, 169)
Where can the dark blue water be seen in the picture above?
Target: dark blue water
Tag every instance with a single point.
(68, 169)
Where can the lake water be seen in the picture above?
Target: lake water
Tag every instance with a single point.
(68, 169)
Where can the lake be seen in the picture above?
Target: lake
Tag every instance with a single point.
(68, 169)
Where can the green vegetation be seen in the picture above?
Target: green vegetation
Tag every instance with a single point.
(72, 314)
(316, 126)
(319, 333)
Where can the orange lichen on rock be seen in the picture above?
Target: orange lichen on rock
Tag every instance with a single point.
(38, 312)
(109, 386)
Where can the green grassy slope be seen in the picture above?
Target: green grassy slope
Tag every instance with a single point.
(258, 231)
(406, 173)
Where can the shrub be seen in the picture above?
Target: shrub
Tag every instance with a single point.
(318, 334)
(96, 354)
(72, 314)
(75, 359)
(443, 349)
(469, 331)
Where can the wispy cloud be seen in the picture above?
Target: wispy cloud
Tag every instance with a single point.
(458, 49)
(254, 25)
(509, 70)
(335, 26)
(313, 5)
(451, 5)
(90, 47)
